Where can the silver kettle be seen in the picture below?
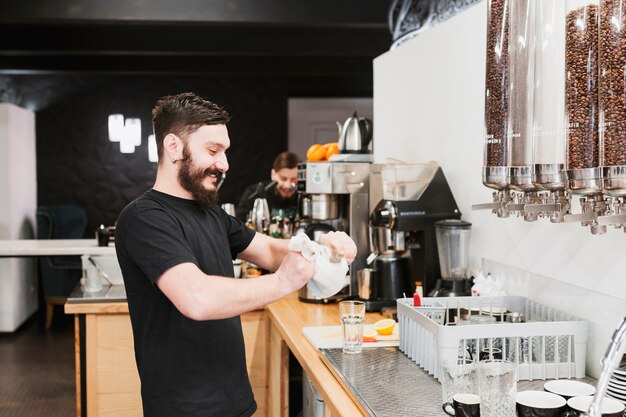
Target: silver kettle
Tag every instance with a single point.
(355, 135)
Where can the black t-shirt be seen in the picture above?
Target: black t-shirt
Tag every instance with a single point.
(187, 367)
(285, 208)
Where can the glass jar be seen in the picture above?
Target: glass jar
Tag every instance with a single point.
(521, 80)
(612, 101)
(496, 94)
(548, 126)
(581, 94)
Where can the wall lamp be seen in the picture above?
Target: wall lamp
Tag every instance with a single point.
(125, 131)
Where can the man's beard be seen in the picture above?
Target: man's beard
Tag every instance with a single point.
(191, 179)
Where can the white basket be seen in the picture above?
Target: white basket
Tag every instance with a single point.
(550, 344)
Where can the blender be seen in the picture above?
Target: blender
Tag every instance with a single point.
(453, 246)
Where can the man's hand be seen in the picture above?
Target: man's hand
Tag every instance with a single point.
(342, 243)
(295, 271)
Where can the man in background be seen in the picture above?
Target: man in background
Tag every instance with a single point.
(279, 192)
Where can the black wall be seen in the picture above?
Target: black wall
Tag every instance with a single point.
(77, 164)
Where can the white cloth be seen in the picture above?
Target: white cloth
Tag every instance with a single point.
(330, 277)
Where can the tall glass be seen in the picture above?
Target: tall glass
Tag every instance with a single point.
(352, 314)
(497, 380)
(458, 376)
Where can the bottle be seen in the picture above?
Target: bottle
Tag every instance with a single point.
(418, 294)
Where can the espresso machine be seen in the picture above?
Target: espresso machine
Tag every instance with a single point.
(453, 238)
(333, 196)
(402, 240)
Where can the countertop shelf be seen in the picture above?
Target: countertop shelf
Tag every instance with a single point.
(53, 247)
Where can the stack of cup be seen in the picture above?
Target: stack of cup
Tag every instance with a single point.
(472, 389)
(459, 388)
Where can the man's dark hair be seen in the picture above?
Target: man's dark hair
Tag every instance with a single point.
(286, 160)
(183, 114)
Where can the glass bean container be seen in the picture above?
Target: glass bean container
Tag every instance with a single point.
(581, 96)
(496, 95)
(548, 121)
(612, 100)
(521, 80)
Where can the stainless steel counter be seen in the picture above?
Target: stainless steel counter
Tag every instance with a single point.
(108, 293)
(387, 383)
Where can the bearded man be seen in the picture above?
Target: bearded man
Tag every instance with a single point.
(175, 246)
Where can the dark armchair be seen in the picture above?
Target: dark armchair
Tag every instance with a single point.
(59, 274)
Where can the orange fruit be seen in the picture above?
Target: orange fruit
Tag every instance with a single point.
(331, 149)
(316, 153)
(369, 335)
(384, 326)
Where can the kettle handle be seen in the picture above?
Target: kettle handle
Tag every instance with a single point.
(367, 125)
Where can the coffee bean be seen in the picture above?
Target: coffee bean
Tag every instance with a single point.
(581, 87)
(497, 84)
(612, 85)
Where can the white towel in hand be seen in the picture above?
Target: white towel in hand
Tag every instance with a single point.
(330, 277)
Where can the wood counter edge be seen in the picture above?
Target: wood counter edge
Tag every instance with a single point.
(290, 326)
(118, 307)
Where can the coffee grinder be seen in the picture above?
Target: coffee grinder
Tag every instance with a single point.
(408, 199)
(453, 238)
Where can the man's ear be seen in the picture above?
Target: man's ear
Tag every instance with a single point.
(274, 175)
(172, 147)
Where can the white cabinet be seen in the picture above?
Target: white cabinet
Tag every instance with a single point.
(18, 203)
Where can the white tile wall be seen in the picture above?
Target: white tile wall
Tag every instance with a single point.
(428, 105)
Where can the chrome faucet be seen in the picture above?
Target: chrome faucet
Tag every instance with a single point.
(609, 363)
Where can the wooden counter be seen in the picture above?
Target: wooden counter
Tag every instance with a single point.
(107, 382)
(287, 318)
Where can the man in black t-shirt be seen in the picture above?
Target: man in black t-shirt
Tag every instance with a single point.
(281, 196)
(175, 247)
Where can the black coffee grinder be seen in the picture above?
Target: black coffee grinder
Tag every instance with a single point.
(406, 229)
(453, 238)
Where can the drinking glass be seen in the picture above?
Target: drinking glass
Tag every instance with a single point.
(458, 376)
(352, 314)
(498, 387)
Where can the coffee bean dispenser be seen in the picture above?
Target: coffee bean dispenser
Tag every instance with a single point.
(548, 170)
(612, 107)
(521, 69)
(581, 111)
(495, 170)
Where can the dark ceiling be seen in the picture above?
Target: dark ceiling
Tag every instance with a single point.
(311, 44)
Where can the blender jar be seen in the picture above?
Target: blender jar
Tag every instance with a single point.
(496, 95)
(581, 96)
(548, 132)
(453, 245)
(521, 68)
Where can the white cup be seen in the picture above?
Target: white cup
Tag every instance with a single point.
(237, 268)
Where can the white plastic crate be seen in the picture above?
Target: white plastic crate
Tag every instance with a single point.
(550, 344)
